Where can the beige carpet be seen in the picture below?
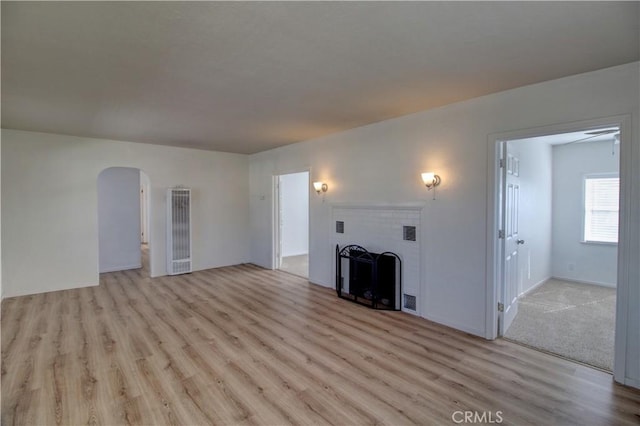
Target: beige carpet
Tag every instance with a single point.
(298, 265)
(576, 321)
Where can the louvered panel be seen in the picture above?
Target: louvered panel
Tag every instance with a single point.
(178, 231)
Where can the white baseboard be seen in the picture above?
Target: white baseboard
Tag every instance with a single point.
(121, 268)
(460, 327)
(49, 290)
(634, 383)
(320, 283)
(533, 287)
(610, 285)
(295, 254)
(260, 265)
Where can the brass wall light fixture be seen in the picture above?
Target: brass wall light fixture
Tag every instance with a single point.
(431, 180)
(321, 188)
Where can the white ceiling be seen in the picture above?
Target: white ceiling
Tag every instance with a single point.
(249, 76)
(583, 136)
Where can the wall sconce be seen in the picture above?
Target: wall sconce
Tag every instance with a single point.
(431, 180)
(321, 188)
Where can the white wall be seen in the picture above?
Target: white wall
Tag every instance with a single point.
(535, 212)
(294, 198)
(49, 212)
(572, 259)
(119, 219)
(381, 163)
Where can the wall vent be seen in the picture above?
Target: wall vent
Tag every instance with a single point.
(339, 227)
(178, 231)
(409, 233)
(409, 302)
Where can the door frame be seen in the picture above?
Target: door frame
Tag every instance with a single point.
(495, 245)
(144, 209)
(277, 243)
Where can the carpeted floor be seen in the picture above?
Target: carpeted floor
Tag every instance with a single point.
(297, 265)
(574, 320)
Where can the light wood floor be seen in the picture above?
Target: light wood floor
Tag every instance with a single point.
(297, 265)
(244, 345)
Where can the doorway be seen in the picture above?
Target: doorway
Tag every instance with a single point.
(145, 187)
(559, 214)
(123, 220)
(292, 223)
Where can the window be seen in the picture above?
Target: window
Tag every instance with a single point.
(601, 199)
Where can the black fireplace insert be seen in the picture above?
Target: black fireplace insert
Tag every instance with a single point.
(370, 279)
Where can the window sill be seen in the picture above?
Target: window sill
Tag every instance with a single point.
(599, 243)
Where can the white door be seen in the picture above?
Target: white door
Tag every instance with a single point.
(510, 272)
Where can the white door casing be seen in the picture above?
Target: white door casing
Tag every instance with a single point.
(277, 223)
(280, 225)
(626, 259)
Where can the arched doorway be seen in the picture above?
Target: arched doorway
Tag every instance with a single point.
(123, 220)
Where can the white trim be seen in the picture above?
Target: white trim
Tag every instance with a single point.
(626, 214)
(494, 158)
(321, 284)
(533, 287)
(573, 280)
(260, 265)
(150, 219)
(598, 243)
(459, 327)
(275, 224)
(66, 287)
(631, 382)
(121, 268)
(624, 249)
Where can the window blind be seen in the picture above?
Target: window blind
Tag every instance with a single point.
(601, 202)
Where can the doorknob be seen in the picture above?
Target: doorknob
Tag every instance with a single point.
(519, 241)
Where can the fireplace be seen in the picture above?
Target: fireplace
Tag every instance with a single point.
(370, 279)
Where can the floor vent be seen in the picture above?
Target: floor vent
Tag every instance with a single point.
(409, 302)
(409, 233)
(339, 227)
